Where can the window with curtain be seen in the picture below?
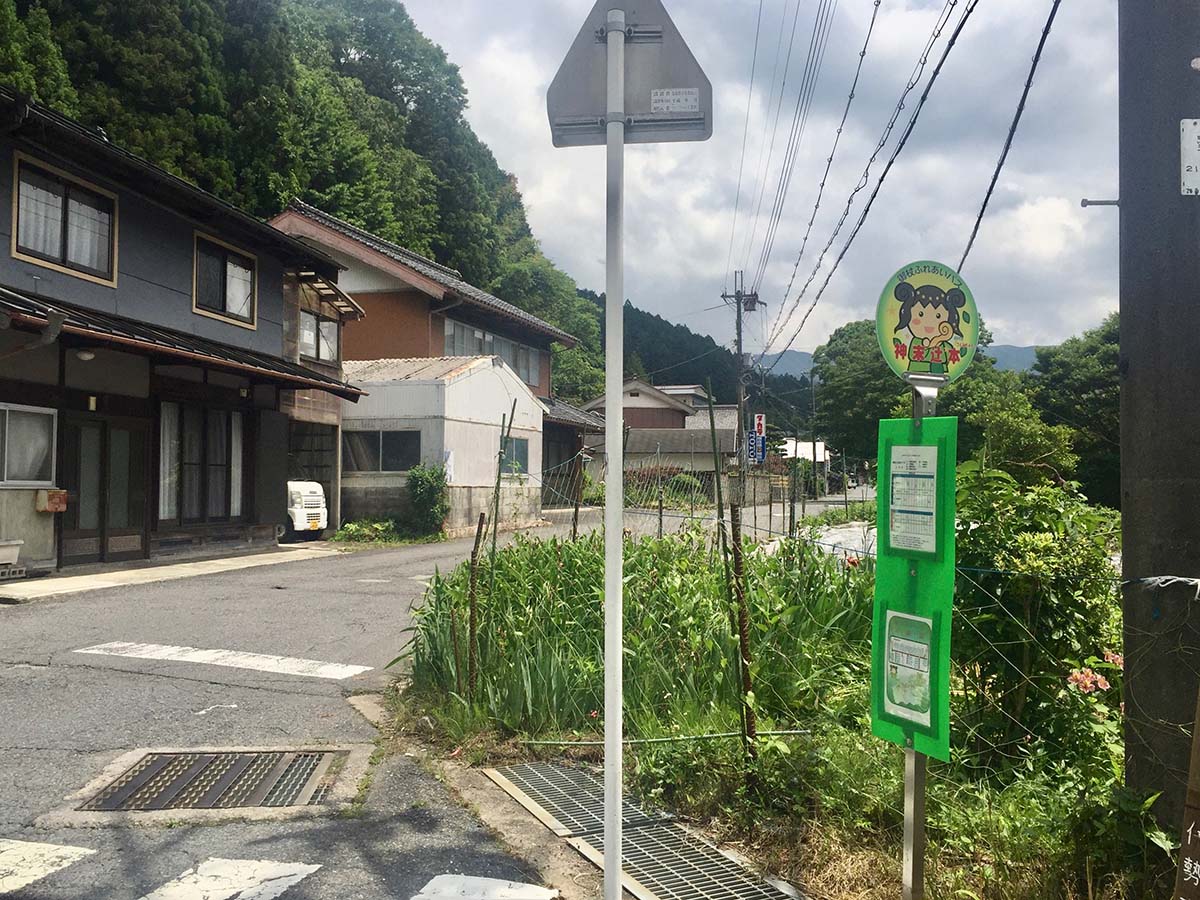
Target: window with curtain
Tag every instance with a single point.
(62, 222)
(200, 468)
(225, 281)
(27, 445)
(466, 340)
(168, 461)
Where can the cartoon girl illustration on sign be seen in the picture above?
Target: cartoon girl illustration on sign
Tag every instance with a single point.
(931, 318)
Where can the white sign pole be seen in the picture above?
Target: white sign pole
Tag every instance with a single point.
(614, 432)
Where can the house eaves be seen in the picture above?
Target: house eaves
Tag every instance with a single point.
(426, 275)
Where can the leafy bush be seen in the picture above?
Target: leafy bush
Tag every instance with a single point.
(369, 531)
(429, 498)
(839, 515)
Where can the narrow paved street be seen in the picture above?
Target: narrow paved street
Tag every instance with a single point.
(67, 715)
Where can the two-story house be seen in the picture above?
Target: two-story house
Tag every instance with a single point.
(417, 309)
(144, 388)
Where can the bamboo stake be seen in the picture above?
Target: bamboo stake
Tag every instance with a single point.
(472, 600)
(743, 630)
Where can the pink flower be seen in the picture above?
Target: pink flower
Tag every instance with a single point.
(1114, 659)
(1087, 681)
(594, 714)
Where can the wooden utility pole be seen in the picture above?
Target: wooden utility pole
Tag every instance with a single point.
(1159, 129)
(743, 302)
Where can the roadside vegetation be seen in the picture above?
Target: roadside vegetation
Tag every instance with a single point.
(1032, 804)
(423, 522)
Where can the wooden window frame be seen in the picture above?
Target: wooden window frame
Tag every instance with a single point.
(179, 520)
(5, 409)
(319, 319)
(251, 324)
(67, 179)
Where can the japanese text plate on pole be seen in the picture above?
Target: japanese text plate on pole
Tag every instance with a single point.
(628, 78)
(667, 95)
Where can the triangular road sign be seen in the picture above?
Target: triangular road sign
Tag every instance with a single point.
(667, 95)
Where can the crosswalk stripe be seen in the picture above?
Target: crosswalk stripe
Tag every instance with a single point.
(227, 879)
(282, 665)
(24, 862)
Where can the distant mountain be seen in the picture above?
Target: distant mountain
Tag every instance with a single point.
(794, 362)
(1007, 356)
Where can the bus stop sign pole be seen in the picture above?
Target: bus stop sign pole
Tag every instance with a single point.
(628, 78)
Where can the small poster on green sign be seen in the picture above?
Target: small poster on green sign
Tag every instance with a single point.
(906, 693)
(912, 510)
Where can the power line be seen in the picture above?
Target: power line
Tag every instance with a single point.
(914, 78)
(1012, 130)
(779, 315)
(764, 169)
(912, 122)
(745, 133)
(812, 71)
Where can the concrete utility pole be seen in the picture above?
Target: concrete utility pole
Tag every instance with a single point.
(743, 302)
(1159, 68)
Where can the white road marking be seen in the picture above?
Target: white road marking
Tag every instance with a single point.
(208, 709)
(283, 665)
(24, 862)
(373, 580)
(470, 887)
(227, 879)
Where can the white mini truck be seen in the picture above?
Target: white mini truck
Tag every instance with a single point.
(307, 512)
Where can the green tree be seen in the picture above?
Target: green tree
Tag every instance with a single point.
(30, 59)
(1077, 384)
(15, 68)
(855, 389)
(577, 379)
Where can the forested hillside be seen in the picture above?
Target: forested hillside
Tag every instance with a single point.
(343, 103)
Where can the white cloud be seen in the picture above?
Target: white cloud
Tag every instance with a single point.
(1042, 268)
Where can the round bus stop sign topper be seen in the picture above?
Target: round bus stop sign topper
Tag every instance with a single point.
(926, 321)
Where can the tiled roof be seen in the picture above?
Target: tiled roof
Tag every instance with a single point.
(154, 339)
(566, 414)
(433, 368)
(446, 277)
(91, 149)
(678, 440)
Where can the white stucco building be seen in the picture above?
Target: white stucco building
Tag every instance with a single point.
(443, 410)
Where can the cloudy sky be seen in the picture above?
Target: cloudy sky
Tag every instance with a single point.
(1042, 268)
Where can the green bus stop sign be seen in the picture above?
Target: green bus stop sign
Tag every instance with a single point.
(914, 584)
(926, 321)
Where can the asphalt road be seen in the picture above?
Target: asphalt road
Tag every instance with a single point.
(64, 716)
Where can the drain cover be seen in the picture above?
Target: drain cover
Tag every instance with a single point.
(220, 780)
(670, 863)
(661, 861)
(573, 798)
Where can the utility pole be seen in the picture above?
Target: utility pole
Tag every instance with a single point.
(743, 302)
(812, 381)
(1159, 202)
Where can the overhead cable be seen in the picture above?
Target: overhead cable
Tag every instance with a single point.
(812, 71)
(1012, 130)
(761, 179)
(883, 176)
(777, 325)
(745, 133)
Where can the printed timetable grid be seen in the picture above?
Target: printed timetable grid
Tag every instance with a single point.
(913, 499)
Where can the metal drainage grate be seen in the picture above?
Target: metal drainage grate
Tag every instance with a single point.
(220, 780)
(670, 863)
(572, 797)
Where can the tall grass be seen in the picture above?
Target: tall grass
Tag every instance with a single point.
(541, 653)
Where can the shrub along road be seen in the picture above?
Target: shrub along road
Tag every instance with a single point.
(67, 715)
